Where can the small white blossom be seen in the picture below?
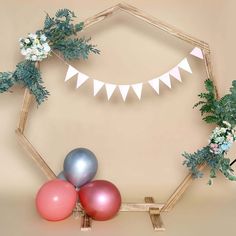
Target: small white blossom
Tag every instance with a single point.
(27, 41)
(33, 36)
(34, 58)
(43, 37)
(35, 47)
(46, 47)
(23, 52)
(221, 138)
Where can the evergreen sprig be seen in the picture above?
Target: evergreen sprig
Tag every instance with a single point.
(27, 73)
(214, 111)
(6, 81)
(61, 33)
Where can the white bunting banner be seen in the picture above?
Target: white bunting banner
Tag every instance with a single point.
(185, 66)
(71, 72)
(97, 85)
(110, 88)
(197, 52)
(138, 89)
(81, 78)
(166, 79)
(154, 84)
(174, 73)
(124, 89)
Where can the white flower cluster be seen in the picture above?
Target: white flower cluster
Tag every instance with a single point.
(222, 138)
(35, 47)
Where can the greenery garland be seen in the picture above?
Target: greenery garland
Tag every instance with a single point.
(221, 112)
(57, 35)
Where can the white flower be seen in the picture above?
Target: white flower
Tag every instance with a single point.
(35, 47)
(33, 36)
(46, 47)
(23, 52)
(227, 123)
(28, 50)
(27, 41)
(43, 37)
(34, 58)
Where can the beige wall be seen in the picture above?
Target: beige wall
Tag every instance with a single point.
(138, 144)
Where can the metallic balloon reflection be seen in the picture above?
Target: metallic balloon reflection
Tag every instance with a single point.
(80, 166)
(100, 199)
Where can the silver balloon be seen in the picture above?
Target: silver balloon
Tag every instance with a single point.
(80, 166)
(61, 176)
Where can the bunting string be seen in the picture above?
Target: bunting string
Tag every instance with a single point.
(137, 87)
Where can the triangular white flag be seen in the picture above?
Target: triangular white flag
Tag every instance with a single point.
(165, 79)
(197, 52)
(185, 66)
(97, 85)
(70, 72)
(175, 73)
(110, 88)
(124, 89)
(138, 89)
(81, 78)
(154, 84)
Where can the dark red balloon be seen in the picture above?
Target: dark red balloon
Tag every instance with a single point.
(100, 199)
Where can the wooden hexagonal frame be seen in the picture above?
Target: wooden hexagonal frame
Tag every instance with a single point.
(154, 209)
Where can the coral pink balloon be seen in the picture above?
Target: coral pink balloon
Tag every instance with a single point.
(100, 199)
(56, 199)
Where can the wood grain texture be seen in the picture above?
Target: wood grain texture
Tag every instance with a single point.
(178, 193)
(25, 106)
(148, 19)
(155, 216)
(209, 69)
(24, 110)
(86, 223)
(140, 207)
(33, 153)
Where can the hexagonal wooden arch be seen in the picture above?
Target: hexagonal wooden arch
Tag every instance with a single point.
(154, 209)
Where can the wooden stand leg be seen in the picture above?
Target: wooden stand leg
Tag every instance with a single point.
(155, 216)
(86, 223)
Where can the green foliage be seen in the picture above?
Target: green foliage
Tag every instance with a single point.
(60, 29)
(6, 81)
(215, 111)
(216, 162)
(75, 48)
(27, 73)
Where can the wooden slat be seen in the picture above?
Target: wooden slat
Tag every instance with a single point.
(35, 155)
(178, 193)
(140, 207)
(148, 19)
(136, 207)
(25, 107)
(100, 16)
(155, 217)
(209, 69)
(24, 110)
(86, 223)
